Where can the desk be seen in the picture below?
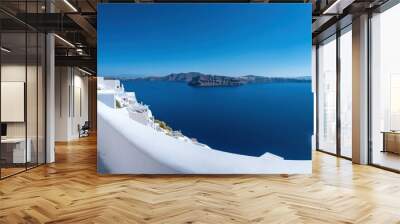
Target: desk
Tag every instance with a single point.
(13, 150)
(391, 141)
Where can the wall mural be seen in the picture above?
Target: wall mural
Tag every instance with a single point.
(204, 88)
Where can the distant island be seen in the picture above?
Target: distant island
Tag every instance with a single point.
(198, 79)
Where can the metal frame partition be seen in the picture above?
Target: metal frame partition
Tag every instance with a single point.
(382, 8)
(40, 117)
(338, 33)
(0, 93)
(338, 98)
(337, 29)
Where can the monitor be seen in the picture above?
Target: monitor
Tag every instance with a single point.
(3, 129)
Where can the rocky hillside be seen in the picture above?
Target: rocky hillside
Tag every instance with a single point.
(198, 79)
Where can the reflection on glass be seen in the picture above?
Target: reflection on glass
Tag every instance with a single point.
(14, 153)
(327, 95)
(31, 101)
(22, 91)
(41, 98)
(346, 93)
(385, 93)
(394, 102)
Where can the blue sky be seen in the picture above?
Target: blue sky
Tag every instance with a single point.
(223, 39)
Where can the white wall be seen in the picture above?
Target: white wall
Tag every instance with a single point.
(128, 147)
(360, 89)
(62, 81)
(80, 109)
(69, 112)
(17, 73)
(50, 94)
(33, 126)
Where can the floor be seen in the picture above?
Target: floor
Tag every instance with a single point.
(387, 159)
(70, 191)
(5, 172)
(10, 171)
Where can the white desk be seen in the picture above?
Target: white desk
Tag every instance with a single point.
(19, 155)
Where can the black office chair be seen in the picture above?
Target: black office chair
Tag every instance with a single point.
(84, 130)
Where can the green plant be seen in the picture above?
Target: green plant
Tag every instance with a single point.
(163, 125)
(118, 104)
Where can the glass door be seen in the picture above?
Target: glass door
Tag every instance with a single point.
(327, 95)
(385, 89)
(346, 92)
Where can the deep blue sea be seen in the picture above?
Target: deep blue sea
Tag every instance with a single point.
(250, 119)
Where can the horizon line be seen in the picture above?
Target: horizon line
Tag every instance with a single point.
(166, 74)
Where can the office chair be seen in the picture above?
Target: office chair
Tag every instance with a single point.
(84, 130)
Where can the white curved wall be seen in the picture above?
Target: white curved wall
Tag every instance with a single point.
(128, 147)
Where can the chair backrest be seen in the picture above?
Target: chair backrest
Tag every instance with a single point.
(86, 125)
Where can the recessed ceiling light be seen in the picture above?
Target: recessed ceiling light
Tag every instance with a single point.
(64, 40)
(5, 50)
(337, 7)
(86, 72)
(70, 5)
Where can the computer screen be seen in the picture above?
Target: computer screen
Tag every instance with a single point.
(3, 129)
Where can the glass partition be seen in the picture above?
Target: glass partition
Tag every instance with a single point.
(22, 88)
(13, 94)
(385, 89)
(41, 109)
(31, 99)
(346, 92)
(327, 95)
